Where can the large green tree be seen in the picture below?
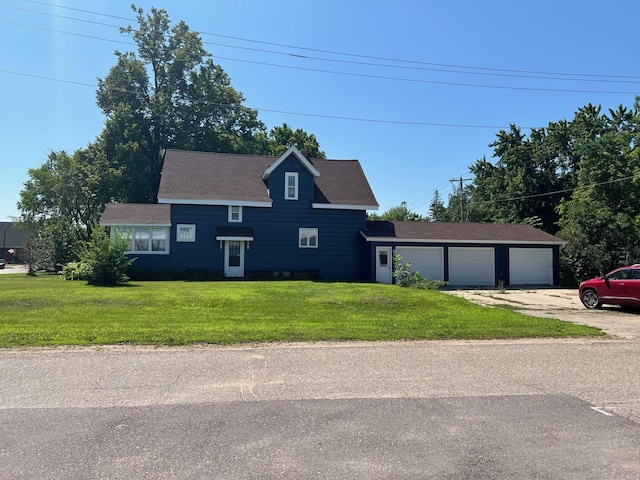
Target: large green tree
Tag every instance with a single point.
(168, 94)
(61, 200)
(601, 219)
(578, 179)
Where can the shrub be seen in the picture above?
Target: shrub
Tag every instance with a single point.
(106, 259)
(75, 271)
(406, 278)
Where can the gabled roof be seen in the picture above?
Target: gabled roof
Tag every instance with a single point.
(131, 214)
(230, 179)
(466, 232)
(301, 158)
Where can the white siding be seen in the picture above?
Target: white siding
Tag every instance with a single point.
(472, 266)
(531, 266)
(429, 261)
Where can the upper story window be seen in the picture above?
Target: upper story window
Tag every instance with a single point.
(185, 233)
(235, 213)
(291, 185)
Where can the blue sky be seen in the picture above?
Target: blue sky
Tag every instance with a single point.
(436, 80)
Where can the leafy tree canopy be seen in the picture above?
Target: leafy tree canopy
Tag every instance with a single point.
(280, 138)
(170, 94)
(398, 213)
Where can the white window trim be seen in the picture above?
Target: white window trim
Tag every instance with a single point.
(192, 236)
(131, 235)
(306, 232)
(230, 214)
(288, 175)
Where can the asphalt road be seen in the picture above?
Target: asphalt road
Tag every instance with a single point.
(503, 409)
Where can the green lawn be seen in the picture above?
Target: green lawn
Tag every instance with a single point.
(47, 310)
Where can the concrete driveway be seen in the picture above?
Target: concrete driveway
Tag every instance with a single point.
(560, 303)
(14, 268)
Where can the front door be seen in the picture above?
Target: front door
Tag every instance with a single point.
(384, 264)
(234, 258)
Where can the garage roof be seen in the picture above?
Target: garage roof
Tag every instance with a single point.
(461, 232)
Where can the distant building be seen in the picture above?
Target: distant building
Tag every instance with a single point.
(12, 242)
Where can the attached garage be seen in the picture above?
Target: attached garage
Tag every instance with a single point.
(472, 266)
(429, 261)
(531, 266)
(468, 254)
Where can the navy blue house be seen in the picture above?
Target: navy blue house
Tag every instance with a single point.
(291, 216)
(248, 214)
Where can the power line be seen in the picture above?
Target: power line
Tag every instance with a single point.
(565, 190)
(359, 75)
(304, 114)
(544, 194)
(355, 55)
(418, 200)
(440, 69)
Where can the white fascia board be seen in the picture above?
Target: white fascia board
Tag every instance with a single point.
(331, 206)
(226, 203)
(441, 240)
(283, 157)
(235, 239)
(137, 224)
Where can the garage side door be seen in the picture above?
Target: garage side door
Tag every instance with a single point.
(531, 266)
(429, 261)
(472, 266)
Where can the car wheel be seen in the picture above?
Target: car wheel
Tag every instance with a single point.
(590, 299)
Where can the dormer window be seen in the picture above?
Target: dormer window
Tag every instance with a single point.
(235, 213)
(291, 185)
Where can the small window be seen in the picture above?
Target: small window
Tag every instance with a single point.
(383, 257)
(235, 213)
(308, 238)
(234, 253)
(185, 233)
(291, 185)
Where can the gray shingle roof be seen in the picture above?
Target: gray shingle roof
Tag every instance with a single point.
(220, 177)
(342, 182)
(136, 214)
(462, 232)
(202, 176)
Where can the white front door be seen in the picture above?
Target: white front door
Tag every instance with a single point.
(234, 258)
(384, 264)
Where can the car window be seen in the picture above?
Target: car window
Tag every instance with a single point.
(619, 275)
(634, 274)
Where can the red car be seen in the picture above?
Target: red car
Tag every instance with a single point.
(619, 287)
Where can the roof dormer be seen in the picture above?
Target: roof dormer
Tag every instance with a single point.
(301, 158)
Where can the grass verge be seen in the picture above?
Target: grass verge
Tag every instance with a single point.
(47, 311)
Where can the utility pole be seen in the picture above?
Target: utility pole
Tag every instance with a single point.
(461, 194)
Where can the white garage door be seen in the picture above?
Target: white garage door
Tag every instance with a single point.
(472, 266)
(531, 266)
(429, 261)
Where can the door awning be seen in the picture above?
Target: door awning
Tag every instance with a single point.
(235, 233)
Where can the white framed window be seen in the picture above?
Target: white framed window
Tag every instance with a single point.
(145, 239)
(291, 185)
(185, 233)
(235, 213)
(126, 233)
(308, 238)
